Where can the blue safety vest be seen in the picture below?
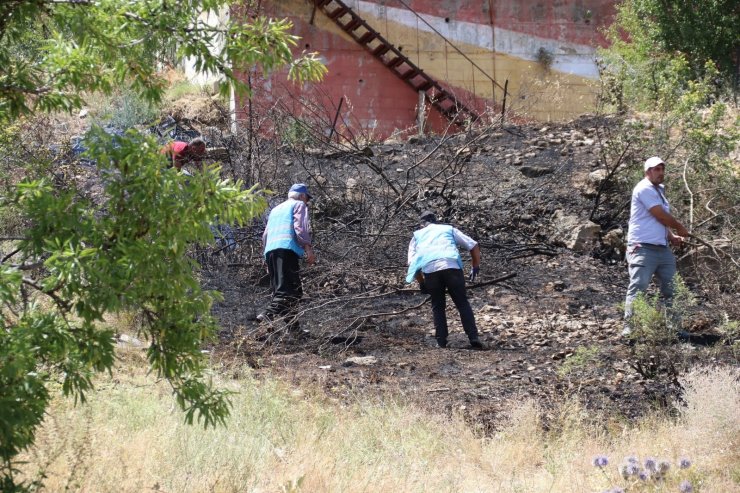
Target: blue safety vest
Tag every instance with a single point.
(280, 232)
(434, 242)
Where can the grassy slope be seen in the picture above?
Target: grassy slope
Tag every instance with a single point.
(130, 437)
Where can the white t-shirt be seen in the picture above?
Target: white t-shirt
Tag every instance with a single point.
(643, 227)
(461, 239)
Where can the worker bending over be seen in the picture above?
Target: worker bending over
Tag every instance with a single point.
(286, 238)
(434, 261)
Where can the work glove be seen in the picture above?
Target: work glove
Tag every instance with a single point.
(474, 274)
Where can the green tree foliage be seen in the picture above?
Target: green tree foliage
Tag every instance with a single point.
(53, 51)
(77, 261)
(657, 45)
(701, 30)
(690, 125)
(666, 73)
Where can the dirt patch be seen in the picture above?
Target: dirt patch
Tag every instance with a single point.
(199, 108)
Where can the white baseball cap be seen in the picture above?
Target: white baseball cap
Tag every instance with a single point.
(653, 162)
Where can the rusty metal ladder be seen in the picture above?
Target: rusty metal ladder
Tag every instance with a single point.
(390, 56)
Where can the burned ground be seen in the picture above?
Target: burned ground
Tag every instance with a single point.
(546, 303)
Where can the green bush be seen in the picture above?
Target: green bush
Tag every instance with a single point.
(581, 358)
(125, 110)
(657, 48)
(655, 324)
(77, 263)
(183, 88)
(296, 133)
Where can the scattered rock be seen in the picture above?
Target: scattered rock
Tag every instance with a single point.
(352, 192)
(360, 361)
(127, 340)
(535, 171)
(614, 239)
(573, 232)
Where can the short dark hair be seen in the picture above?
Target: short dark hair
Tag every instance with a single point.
(200, 145)
(198, 142)
(427, 217)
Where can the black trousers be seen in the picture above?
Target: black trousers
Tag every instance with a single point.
(453, 282)
(285, 281)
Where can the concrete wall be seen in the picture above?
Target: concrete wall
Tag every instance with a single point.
(507, 39)
(215, 20)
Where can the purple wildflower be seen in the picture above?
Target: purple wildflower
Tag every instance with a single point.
(617, 489)
(600, 461)
(632, 460)
(685, 487)
(629, 469)
(684, 463)
(651, 464)
(643, 476)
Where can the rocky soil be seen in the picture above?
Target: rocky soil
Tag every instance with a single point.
(551, 327)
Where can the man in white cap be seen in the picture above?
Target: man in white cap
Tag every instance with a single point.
(286, 239)
(649, 238)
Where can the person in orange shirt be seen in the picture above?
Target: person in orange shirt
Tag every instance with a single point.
(181, 153)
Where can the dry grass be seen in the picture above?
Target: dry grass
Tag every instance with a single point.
(130, 437)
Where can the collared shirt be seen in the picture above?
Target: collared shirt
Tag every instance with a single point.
(643, 226)
(301, 225)
(461, 239)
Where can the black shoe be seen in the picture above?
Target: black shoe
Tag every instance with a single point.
(264, 317)
(476, 344)
(441, 343)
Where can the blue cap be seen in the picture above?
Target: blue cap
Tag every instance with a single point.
(300, 188)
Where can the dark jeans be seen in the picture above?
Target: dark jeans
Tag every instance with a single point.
(285, 281)
(452, 281)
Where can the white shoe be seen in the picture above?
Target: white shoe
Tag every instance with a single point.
(626, 332)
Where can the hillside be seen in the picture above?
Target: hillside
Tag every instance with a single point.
(547, 302)
(554, 387)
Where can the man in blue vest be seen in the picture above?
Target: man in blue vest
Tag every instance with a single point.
(286, 238)
(434, 261)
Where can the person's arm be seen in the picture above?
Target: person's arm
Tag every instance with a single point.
(419, 276)
(475, 254)
(469, 244)
(411, 250)
(302, 228)
(669, 221)
(168, 152)
(422, 284)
